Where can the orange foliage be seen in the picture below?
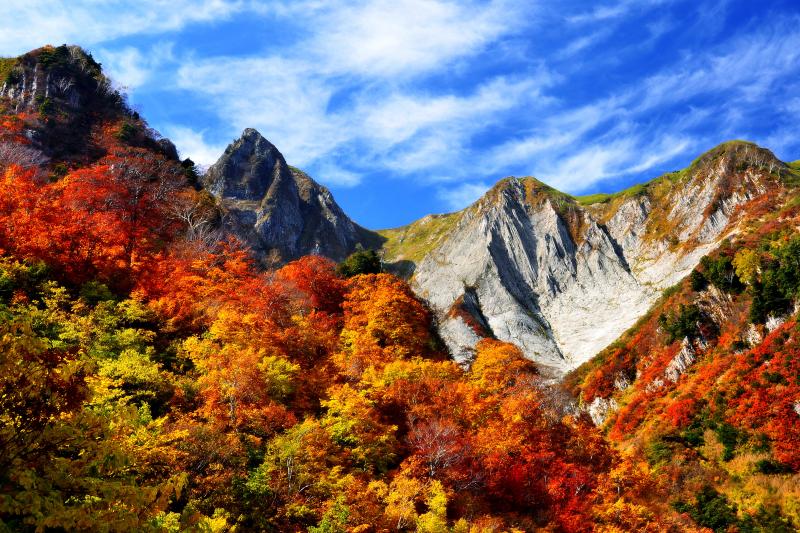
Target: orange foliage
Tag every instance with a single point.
(383, 322)
(102, 222)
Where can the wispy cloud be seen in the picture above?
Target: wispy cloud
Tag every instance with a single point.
(452, 95)
(130, 68)
(193, 144)
(403, 37)
(462, 195)
(29, 24)
(372, 55)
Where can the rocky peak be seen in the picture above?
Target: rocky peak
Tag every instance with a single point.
(62, 95)
(64, 77)
(564, 276)
(278, 210)
(247, 169)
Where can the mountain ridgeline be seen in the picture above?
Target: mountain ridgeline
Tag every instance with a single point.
(181, 352)
(563, 277)
(559, 276)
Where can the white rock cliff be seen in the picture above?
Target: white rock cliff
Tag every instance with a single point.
(563, 280)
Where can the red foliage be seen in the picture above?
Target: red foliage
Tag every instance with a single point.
(680, 412)
(315, 278)
(102, 222)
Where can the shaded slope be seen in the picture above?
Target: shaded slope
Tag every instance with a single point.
(278, 210)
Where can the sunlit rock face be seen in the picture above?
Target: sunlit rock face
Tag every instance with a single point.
(563, 278)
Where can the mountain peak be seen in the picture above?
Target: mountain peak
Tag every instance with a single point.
(252, 133)
(547, 270)
(66, 76)
(247, 168)
(279, 211)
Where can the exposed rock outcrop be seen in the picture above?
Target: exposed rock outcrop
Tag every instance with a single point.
(64, 94)
(562, 278)
(279, 211)
(600, 408)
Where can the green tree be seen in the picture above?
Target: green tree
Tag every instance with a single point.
(360, 262)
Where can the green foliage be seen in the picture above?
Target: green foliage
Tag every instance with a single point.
(779, 284)
(713, 510)
(720, 272)
(766, 520)
(190, 171)
(747, 264)
(360, 262)
(597, 198)
(697, 280)
(414, 241)
(658, 452)
(126, 132)
(20, 277)
(776, 378)
(334, 520)
(729, 437)
(686, 323)
(771, 467)
(7, 70)
(94, 292)
(50, 57)
(279, 375)
(59, 171)
(46, 108)
(693, 435)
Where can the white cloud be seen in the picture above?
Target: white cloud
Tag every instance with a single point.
(460, 196)
(192, 144)
(129, 68)
(335, 175)
(602, 161)
(392, 37)
(289, 102)
(285, 100)
(29, 24)
(610, 11)
(748, 66)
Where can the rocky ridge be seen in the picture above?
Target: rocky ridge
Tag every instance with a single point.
(563, 277)
(64, 96)
(278, 210)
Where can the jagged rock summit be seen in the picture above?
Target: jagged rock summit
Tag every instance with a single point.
(563, 277)
(278, 210)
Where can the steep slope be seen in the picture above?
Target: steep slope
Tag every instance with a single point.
(707, 385)
(279, 210)
(151, 380)
(563, 277)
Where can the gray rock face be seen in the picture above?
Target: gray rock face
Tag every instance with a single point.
(65, 76)
(277, 210)
(562, 280)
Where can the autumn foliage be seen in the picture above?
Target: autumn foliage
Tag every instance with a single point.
(153, 378)
(706, 385)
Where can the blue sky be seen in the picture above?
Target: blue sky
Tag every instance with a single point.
(410, 107)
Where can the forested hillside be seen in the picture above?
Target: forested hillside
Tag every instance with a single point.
(154, 377)
(707, 385)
